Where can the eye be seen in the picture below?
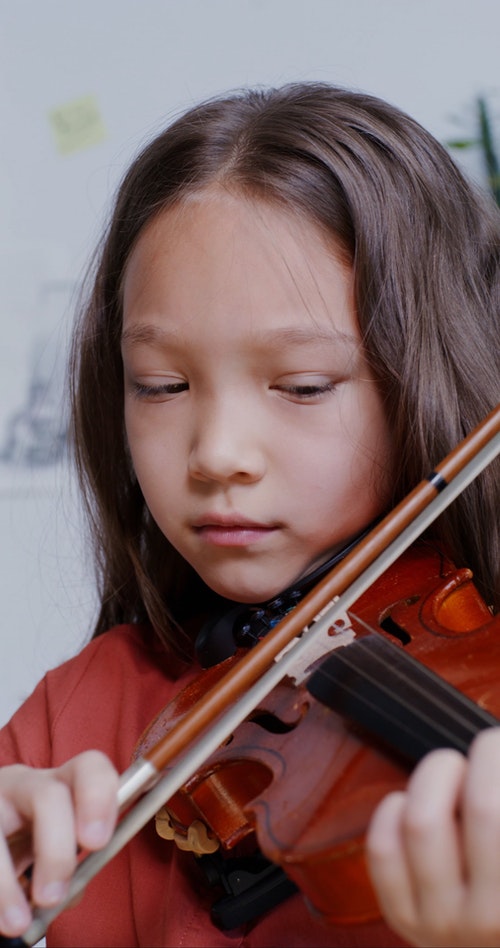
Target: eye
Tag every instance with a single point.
(306, 392)
(158, 393)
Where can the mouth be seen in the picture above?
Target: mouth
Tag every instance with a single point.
(234, 530)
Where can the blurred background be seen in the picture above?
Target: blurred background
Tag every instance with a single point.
(82, 87)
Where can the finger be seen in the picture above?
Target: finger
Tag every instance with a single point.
(481, 822)
(94, 783)
(418, 868)
(431, 835)
(54, 842)
(18, 835)
(65, 807)
(387, 864)
(38, 802)
(83, 792)
(15, 913)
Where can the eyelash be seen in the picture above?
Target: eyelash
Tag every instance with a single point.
(157, 391)
(301, 392)
(308, 391)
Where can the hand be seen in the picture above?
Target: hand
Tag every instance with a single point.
(59, 811)
(434, 850)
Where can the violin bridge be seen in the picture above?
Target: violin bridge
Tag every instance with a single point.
(196, 839)
(333, 636)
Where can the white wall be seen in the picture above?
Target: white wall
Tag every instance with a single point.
(144, 61)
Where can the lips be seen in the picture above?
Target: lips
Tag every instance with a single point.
(229, 521)
(232, 530)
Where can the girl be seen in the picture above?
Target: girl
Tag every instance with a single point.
(294, 316)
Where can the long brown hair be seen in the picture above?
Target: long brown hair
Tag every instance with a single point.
(425, 250)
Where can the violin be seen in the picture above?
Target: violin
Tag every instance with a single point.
(221, 781)
(300, 778)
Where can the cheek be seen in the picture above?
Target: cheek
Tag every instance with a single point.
(154, 446)
(368, 439)
(155, 469)
(350, 475)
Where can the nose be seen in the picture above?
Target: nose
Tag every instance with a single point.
(227, 445)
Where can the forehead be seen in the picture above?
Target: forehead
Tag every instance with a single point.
(218, 251)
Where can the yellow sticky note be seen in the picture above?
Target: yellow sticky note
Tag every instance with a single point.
(77, 125)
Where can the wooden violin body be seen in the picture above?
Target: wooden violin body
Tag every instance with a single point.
(298, 780)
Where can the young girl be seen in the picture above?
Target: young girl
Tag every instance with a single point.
(294, 317)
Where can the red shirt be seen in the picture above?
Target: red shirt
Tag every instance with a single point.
(151, 894)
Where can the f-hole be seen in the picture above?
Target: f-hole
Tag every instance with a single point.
(392, 628)
(271, 723)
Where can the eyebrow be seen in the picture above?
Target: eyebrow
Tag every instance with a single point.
(149, 334)
(144, 335)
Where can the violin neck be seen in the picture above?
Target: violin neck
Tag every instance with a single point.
(395, 698)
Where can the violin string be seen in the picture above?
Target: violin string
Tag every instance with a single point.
(416, 673)
(451, 717)
(383, 721)
(365, 650)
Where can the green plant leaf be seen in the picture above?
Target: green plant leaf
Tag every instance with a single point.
(463, 142)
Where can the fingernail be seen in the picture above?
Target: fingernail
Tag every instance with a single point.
(53, 893)
(16, 918)
(96, 833)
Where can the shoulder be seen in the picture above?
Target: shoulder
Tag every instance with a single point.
(122, 653)
(103, 698)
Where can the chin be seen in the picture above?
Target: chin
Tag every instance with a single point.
(245, 591)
